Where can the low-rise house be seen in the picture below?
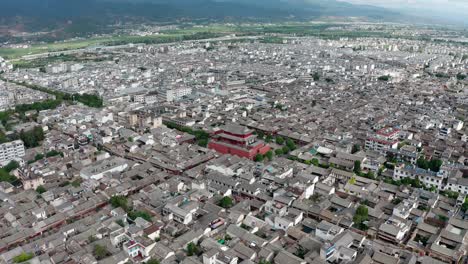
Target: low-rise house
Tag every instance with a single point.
(97, 170)
(394, 229)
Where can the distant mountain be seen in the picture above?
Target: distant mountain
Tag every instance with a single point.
(87, 16)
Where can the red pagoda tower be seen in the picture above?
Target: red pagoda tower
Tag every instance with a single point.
(237, 140)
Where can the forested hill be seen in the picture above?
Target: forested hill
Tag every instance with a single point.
(91, 15)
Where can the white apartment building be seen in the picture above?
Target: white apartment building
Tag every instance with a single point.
(427, 177)
(459, 185)
(4, 101)
(11, 151)
(176, 94)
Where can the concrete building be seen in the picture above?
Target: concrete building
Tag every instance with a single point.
(97, 170)
(11, 151)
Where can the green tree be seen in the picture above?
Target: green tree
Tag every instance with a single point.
(259, 158)
(152, 261)
(38, 133)
(443, 218)
(53, 153)
(6, 177)
(40, 189)
(76, 183)
(119, 201)
(260, 134)
(90, 100)
(11, 166)
(38, 156)
(316, 76)
(370, 175)
(226, 202)
(315, 162)
(422, 163)
(464, 206)
(384, 78)
(357, 167)
(435, 164)
(23, 257)
(450, 194)
(278, 152)
(3, 137)
(290, 144)
(192, 249)
(361, 216)
(268, 138)
(203, 142)
(32, 138)
(269, 155)
(356, 148)
(279, 140)
(100, 252)
(135, 214)
(285, 150)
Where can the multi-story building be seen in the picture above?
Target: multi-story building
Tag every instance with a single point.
(394, 229)
(4, 101)
(176, 94)
(239, 141)
(383, 140)
(427, 177)
(459, 185)
(11, 151)
(29, 178)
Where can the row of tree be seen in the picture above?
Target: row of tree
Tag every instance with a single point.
(91, 100)
(201, 136)
(32, 138)
(433, 164)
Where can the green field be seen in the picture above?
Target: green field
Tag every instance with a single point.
(14, 53)
(321, 30)
(166, 36)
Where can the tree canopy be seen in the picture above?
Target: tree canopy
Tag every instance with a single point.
(40, 189)
(361, 216)
(433, 164)
(119, 201)
(226, 202)
(23, 257)
(100, 252)
(192, 249)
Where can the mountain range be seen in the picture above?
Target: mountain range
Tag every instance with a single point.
(92, 15)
